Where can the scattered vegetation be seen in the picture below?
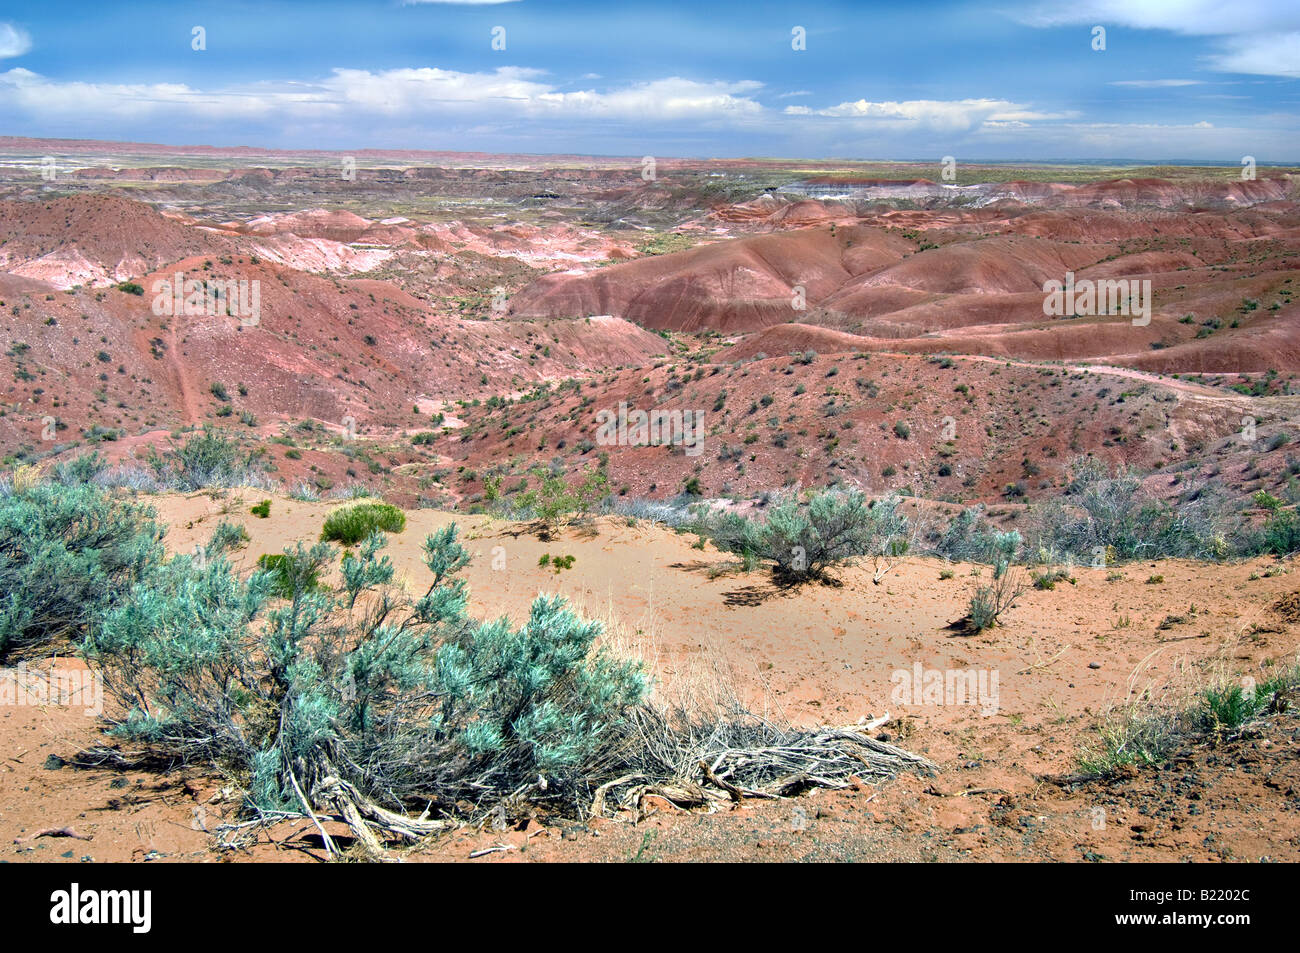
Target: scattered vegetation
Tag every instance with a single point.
(1148, 731)
(209, 458)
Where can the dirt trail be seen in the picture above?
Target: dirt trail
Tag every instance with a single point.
(1182, 386)
(189, 403)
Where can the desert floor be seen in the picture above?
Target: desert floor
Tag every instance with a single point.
(817, 654)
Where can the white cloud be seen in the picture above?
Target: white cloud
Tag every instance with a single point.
(939, 115)
(1260, 37)
(1276, 55)
(506, 93)
(1189, 17)
(1155, 83)
(515, 108)
(13, 41)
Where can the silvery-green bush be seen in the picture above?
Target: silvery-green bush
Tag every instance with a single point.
(67, 554)
(805, 539)
(283, 683)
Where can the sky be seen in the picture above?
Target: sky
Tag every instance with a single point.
(1154, 80)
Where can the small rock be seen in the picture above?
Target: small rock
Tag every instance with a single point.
(1094, 665)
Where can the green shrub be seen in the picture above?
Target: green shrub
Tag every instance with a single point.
(67, 554)
(261, 510)
(1282, 533)
(209, 458)
(1048, 580)
(554, 503)
(352, 524)
(990, 602)
(288, 572)
(1266, 501)
(374, 714)
(82, 469)
(227, 536)
(1117, 516)
(804, 540)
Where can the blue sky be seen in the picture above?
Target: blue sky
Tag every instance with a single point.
(1178, 79)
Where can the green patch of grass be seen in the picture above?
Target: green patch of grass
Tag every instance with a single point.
(283, 568)
(352, 524)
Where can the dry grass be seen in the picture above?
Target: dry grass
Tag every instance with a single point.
(1193, 700)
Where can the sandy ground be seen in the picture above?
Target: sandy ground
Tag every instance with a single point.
(818, 654)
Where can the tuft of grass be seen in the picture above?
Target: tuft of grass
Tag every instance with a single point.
(1145, 731)
(1048, 580)
(261, 510)
(284, 568)
(352, 524)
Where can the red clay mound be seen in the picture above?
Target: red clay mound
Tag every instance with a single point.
(94, 239)
(809, 212)
(1165, 194)
(319, 348)
(930, 314)
(1270, 342)
(1086, 224)
(336, 226)
(1001, 265)
(1143, 263)
(739, 285)
(795, 338)
(863, 301)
